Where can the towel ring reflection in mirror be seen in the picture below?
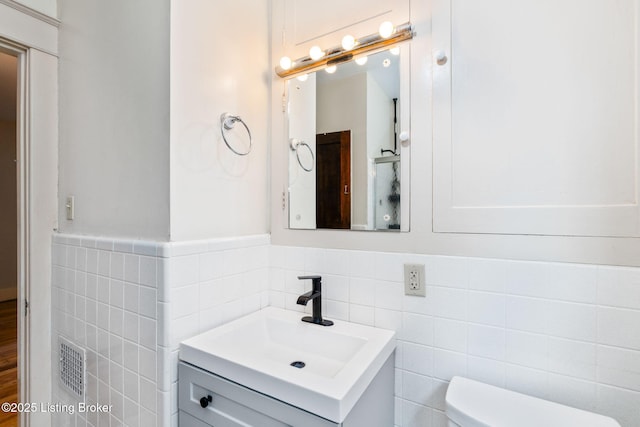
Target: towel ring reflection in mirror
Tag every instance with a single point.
(227, 122)
(295, 144)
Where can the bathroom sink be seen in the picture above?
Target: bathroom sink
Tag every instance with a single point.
(323, 370)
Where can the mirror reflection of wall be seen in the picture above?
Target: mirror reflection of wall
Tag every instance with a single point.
(302, 124)
(361, 101)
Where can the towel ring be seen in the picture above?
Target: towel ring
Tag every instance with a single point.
(227, 122)
(295, 144)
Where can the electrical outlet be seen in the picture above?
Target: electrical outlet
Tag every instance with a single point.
(414, 280)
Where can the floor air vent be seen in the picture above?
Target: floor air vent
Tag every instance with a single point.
(72, 368)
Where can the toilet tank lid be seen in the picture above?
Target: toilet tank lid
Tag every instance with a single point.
(474, 404)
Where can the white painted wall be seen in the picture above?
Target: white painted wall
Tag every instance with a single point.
(114, 121)
(219, 63)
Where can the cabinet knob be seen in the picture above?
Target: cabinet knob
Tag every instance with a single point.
(204, 401)
(441, 57)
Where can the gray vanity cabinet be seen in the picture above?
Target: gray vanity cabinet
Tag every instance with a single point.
(233, 405)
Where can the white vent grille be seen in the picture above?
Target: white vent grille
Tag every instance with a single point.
(72, 368)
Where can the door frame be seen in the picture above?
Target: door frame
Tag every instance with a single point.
(23, 223)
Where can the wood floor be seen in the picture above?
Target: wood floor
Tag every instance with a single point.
(8, 360)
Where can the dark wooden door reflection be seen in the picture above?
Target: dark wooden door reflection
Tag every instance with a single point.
(333, 180)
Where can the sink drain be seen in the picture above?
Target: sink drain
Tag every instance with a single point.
(298, 364)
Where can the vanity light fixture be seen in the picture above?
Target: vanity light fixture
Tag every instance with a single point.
(387, 37)
(386, 29)
(331, 69)
(348, 42)
(285, 63)
(362, 60)
(316, 53)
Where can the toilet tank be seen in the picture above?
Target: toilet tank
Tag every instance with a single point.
(474, 404)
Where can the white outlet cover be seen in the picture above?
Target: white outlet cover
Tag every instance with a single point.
(414, 280)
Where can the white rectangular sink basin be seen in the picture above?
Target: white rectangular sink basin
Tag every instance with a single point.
(257, 351)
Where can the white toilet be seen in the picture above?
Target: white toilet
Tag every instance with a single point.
(474, 404)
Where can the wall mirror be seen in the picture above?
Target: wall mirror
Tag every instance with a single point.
(348, 145)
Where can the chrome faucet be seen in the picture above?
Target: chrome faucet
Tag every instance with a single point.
(314, 294)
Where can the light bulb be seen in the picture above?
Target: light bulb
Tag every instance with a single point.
(361, 60)
(395, 51)
(348, 42)
(386, 62)
(316, 53)
(285, 63)
(386, 29)
(331, 69)
(303, 78)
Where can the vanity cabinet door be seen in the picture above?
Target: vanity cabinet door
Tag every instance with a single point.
(535, 117)
(186, 420)
(233, 405)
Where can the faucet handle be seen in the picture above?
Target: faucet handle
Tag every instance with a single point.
(309, 277)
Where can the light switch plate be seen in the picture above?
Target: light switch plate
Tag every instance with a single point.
(70, 207)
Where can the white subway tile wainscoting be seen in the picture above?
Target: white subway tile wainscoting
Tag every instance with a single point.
(564, 332)
(130, 303)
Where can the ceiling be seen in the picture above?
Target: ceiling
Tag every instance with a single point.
(8, 86)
